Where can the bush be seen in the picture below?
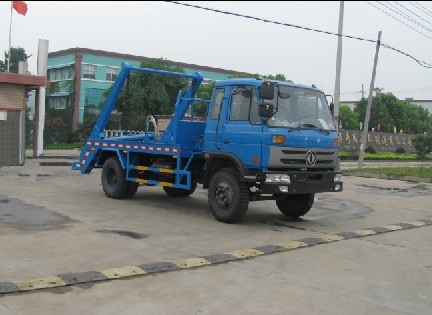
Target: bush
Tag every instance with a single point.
(370, 149)
(423, 145)
(400, 150)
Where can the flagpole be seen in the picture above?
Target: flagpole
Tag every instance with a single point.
(10, 36)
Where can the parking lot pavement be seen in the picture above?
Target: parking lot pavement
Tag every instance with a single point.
(366, 248)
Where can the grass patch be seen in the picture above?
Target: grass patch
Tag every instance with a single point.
(63, 146)
(424, 172)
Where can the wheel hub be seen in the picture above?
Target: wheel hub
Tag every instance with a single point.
(224, 196)
(111, 178)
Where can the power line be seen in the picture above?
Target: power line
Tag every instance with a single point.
(421, 8)
(398, 20)
(412, 12)
(404, 15)
(269, 21)
(420, 62)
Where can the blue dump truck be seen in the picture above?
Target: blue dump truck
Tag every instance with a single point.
(260, 140)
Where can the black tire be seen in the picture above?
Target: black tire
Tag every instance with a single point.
(228, 197)
(113, 179)
(296, 205)
(178, 192)
(131, 189)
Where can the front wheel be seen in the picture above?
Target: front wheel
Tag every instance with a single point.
(295, 205)
(228, 197)
(113, 179)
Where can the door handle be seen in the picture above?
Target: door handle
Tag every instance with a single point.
(225, 141)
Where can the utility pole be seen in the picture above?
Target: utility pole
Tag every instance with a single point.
(362, 91)
(40, 95)
(368, 109)
(338, 66)
(10, 38)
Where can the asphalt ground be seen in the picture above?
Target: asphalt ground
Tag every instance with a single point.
(66, 248)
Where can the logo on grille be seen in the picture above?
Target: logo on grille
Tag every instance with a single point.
(311, 158)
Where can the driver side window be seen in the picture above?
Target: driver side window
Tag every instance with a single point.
(244, 105)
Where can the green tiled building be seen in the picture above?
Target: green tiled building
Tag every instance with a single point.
(96, 70)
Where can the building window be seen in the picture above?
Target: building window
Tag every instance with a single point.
(71, 72)
(54, 75)
(60, 74)
(207, 81)
(111, 74)
(89, 71)
(94, 97)
(58, 102)
(65, 73)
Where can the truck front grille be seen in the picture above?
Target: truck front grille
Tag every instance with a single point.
(296, 158)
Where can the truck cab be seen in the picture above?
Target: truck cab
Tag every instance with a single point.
(279, 137)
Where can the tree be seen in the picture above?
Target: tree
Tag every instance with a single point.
(380, 117)
(388, 111)
(205, 92)
(423, 145)
(58, 122)
(348, 118)
(149, 94)
(277, 77)
(17, 54)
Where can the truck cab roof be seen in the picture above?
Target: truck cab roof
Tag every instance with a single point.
(257, 82)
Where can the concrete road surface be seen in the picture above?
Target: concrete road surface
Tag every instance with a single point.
(367, 250)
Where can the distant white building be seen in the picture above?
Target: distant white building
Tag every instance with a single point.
(424, 103)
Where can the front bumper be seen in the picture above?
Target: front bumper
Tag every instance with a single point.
(303, 182)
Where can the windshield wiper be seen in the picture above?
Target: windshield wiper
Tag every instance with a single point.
(313, 127)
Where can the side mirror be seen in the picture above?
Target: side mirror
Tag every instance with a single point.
(266, 90)
(266, 110)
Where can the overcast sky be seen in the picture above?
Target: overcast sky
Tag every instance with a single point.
(184, 34)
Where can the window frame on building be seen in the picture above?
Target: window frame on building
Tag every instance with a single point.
(111, 73)
(89, 71)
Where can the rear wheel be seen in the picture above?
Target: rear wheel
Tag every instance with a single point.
(296, 205)
(228, 197)
(131, 189)
(113, 179)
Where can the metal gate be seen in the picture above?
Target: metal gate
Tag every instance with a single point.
(11, 138)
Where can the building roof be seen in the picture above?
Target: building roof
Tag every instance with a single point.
(29, 81)
(104, 53)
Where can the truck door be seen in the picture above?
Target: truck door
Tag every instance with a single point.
(241, 134)
(215, 120)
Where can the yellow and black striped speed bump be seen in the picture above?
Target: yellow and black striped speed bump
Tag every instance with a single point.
(159, 267)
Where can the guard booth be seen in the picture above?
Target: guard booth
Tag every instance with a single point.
(13, 88)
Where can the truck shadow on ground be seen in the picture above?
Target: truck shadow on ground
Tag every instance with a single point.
(260, 212)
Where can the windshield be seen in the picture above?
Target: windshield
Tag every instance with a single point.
(300, 108)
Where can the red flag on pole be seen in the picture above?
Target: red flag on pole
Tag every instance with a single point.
(20, 7)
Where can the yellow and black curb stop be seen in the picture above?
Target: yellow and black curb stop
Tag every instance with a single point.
(159, 267)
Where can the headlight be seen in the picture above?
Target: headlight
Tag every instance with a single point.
(277, 178)
(338, 178)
